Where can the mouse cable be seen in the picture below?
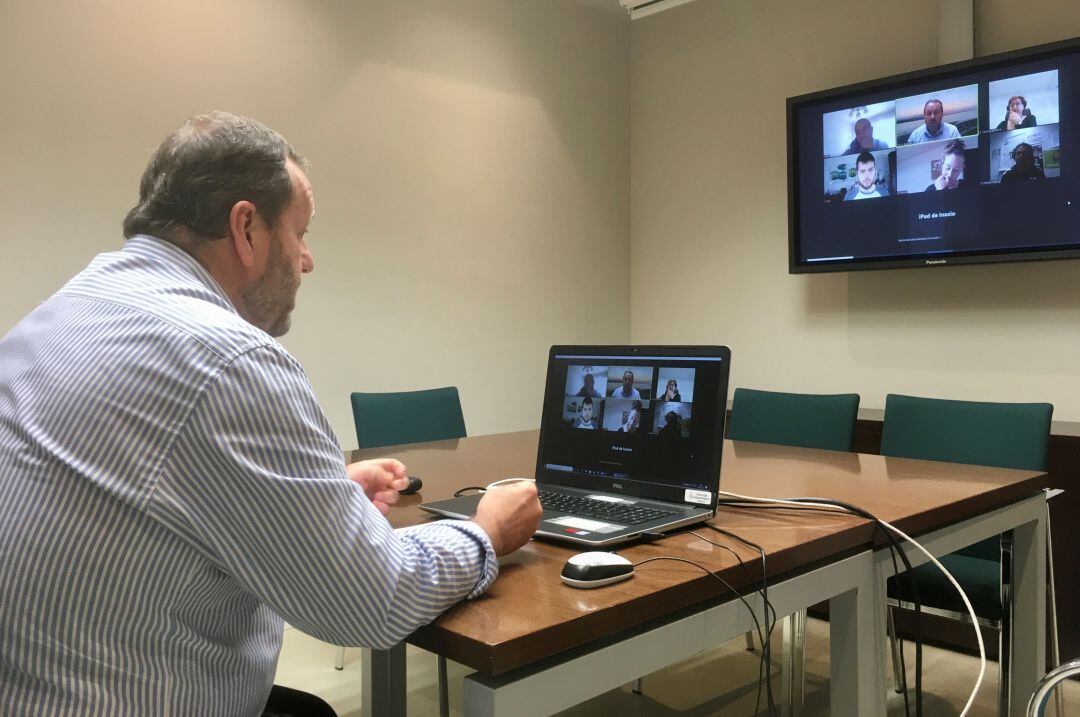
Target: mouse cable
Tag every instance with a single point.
(765, 662)
(904, 536)
(894, 547)
(725, 583)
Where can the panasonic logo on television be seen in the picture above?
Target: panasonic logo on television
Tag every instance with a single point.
(932, 262)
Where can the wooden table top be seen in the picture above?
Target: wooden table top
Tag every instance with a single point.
(529, 614)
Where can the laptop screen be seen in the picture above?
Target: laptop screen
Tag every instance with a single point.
(645, 421)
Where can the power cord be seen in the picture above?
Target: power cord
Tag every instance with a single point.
(757, 624)
(829, 504)
(742, 501)
(765, 664)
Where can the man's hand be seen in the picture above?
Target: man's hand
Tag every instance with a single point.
(509, 514)
(381, 480)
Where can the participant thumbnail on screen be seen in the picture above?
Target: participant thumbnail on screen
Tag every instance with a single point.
(624, 415)
(671, 420)
(866, 128)
(1025, 154)
(938, 166)
(586, 381)
(675, 384)
(934, 116)
(582, 413)
(1024, 102)
(630, 382)
(869, 175)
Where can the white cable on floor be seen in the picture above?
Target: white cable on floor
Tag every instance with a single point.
(908, 538)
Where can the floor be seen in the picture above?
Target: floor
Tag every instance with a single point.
(719, 683)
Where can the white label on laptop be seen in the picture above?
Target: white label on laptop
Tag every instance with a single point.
(701, 497)
(582, 524)
(610, 499)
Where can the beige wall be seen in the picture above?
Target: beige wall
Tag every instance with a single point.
(472, 166)
(470, 163)
(709, 214)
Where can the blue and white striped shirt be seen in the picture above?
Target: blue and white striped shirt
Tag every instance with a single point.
(169, 491)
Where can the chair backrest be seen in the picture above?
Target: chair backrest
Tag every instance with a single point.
(386, 419)
(794, 419)
(1003, 435)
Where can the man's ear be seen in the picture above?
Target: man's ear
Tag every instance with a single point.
(241, 219)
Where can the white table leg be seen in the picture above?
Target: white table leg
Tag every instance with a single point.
(1028, 613)
(857, 651)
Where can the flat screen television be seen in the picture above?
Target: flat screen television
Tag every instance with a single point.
(965, 163)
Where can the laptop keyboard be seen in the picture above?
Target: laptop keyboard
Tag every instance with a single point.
(599, 509)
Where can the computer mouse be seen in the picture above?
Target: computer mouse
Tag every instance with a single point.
(591, 570)
(415, 484)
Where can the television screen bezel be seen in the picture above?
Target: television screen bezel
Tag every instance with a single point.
(940, 72)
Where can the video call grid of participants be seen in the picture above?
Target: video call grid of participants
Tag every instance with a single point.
(931, 141)
(630, 399)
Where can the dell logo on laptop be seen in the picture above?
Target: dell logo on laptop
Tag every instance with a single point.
(617, 486)
(931, 262)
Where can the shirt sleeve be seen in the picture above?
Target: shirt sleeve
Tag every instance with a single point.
(256, 482)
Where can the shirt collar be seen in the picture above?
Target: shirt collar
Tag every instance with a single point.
(159, 249)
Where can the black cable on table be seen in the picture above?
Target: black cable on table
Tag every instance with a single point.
(461, 491)
(766, 644)
(725, 583)
(894, 548)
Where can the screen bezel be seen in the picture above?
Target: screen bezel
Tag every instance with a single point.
(638, 489)
(943, 72)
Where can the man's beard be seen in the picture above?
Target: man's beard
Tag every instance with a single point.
(270, 301)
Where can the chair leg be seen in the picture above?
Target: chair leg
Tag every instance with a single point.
(636, 689)
(444, 689)
(1005, 635)
(793, 666)
(339, 660)
(749, 641)
(898, 679)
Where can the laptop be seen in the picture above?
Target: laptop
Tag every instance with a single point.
(630, 442)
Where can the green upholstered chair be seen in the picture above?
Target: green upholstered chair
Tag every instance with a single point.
(794, 419)
(1003, 435)
(388, 419)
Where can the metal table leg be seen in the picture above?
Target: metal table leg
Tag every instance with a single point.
(1027, 613)
(383, 682)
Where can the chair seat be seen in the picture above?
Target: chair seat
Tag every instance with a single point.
(980, 578)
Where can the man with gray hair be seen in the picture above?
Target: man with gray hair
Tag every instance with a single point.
(170, 490)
